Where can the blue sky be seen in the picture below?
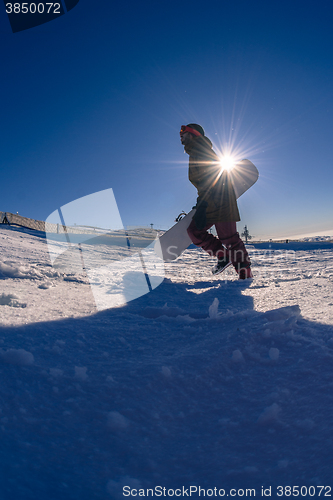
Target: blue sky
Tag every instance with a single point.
(95, 99)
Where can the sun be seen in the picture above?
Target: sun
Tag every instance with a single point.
(227, 162)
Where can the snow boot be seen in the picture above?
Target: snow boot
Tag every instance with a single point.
(221, 265)
(244, 272)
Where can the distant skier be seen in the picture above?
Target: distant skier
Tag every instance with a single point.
(216, 204)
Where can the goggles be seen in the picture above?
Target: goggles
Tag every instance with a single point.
(184, 129)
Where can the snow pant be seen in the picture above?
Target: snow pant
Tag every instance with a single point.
(228, 244)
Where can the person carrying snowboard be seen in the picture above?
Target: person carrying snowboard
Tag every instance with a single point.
(216, 204)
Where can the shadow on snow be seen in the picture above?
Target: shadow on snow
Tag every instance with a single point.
(195, 392)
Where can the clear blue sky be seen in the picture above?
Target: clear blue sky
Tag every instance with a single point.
(95, 100)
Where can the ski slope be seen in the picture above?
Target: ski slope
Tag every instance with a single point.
(205, 382)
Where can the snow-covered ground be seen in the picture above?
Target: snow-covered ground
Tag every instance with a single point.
(205, 381)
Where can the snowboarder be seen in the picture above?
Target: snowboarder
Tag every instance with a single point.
(216, 204)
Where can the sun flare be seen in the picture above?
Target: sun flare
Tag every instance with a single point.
(227, 162)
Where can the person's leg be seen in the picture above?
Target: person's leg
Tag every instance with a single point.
(236, 250)
(207, 241)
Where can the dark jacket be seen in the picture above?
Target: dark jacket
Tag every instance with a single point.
(214, 186)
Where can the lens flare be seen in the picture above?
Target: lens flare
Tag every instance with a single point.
(227, 162)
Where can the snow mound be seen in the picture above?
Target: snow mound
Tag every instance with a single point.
(213, 309)
(283, 313)
(18, 357)
(117, 421)
(10, 271)
(270, 415)
(10, 300)
(81, 373)
(170, 312)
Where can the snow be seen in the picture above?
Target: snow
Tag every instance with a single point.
(205, 381)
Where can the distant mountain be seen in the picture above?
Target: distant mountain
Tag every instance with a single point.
(317, 238)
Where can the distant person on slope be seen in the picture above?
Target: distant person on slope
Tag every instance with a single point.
(216, 204)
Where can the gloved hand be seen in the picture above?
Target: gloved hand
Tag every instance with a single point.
(200, 214)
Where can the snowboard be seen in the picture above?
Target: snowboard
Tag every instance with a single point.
(173, 242)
